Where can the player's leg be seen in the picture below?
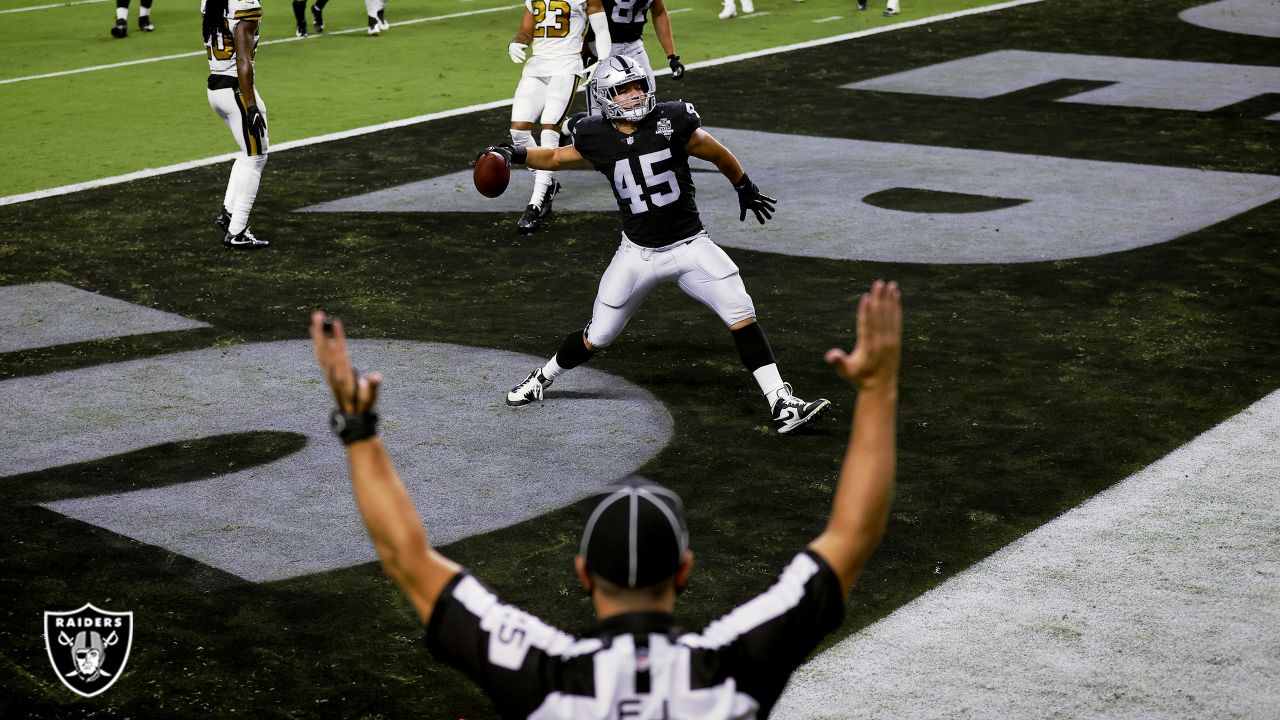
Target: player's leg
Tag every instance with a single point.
(555, 111)
(729, 10)
(371, 11)
(246, 171)
(382, 15)
(526, 108)
(300, 17)
(891, 7)
(121, 28)
(317, 14)
(712, 278)
(144, 16)
(623, 288)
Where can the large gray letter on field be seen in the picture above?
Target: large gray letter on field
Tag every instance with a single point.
(1075, 208)
(50, 313)
(471, 463)
(1244, 17)
(1165, 84)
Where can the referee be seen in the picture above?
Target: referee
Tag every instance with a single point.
(634, 559)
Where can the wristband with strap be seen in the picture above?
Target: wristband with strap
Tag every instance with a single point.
(351, 428)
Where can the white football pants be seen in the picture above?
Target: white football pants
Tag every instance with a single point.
(246, 172)
(544, 99)
(701, 269)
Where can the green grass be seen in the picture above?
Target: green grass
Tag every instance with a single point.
(1026, 388)
(110, 122)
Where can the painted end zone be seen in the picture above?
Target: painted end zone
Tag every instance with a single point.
(1157, 598)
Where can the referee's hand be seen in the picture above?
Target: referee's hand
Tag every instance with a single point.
(355, 393)
(873, 364)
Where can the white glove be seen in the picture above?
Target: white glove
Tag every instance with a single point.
(516, 51)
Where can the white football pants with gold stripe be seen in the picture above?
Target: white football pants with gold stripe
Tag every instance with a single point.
(702, 270)
(545, 100)
(246, 172)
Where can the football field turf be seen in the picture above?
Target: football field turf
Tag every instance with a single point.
(1028, 386)
(93, 106)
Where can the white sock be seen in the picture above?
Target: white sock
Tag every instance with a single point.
(770, 381)
(542, 178)
(144, 11)
(246, 174)
(893, 5)
(552, 369)
(122, 13)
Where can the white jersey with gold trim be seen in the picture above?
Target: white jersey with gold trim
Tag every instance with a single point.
(221, 47)
(558, 29)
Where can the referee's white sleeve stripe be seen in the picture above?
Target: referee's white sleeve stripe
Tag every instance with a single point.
(785, 595)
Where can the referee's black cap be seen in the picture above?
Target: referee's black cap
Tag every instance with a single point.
(635, 534)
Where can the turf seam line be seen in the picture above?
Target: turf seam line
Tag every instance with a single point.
(395, 124)
(50, 7)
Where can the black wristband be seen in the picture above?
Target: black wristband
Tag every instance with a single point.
(350, 428)
(673, 56)
(743, 184)
(519, 155)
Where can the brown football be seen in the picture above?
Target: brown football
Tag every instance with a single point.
(491, 175)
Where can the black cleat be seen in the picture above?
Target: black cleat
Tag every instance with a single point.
(790, 412)
(121, 29)
(862, 4)
(529, 220)
(243, 241)
(302, 30)
(222, 220)
(890, 11)
(144, 24)
(317, 18)
(552, 191)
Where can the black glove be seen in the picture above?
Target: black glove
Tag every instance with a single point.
(750, 198)
(257, 122)
(677, 67)
(510, 154)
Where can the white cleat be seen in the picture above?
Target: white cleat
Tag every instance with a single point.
(748, 6)
(529, 390)
(728, 11)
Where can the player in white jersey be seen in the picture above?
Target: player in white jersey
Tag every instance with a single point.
(230, 40)
(551, 76)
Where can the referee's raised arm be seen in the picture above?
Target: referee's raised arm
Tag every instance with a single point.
(861, 506)
(389, 514)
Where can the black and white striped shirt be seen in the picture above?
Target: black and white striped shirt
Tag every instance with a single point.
(637, 666)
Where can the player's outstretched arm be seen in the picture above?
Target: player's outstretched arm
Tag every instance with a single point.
(600, 25)
(389, 515)
(861, 506)
(538, 158)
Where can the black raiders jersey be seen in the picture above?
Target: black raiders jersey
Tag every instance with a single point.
(626, 19)
(638, 665)
(648, 170)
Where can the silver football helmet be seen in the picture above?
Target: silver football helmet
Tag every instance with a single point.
(616, 73)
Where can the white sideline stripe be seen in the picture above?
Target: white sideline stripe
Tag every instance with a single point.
(829, 19)
(1157, 598)
(277, 41)
(153, 172)
(674, 12)
(754, 15)
(54, 5)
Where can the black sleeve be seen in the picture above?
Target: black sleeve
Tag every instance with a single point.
(762, 641)
(504, 650)
(685, 120)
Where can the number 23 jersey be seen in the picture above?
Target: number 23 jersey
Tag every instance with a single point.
(648, 170)
(558, 30)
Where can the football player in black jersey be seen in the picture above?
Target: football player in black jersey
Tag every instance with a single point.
(643, 148)
(633, 559)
